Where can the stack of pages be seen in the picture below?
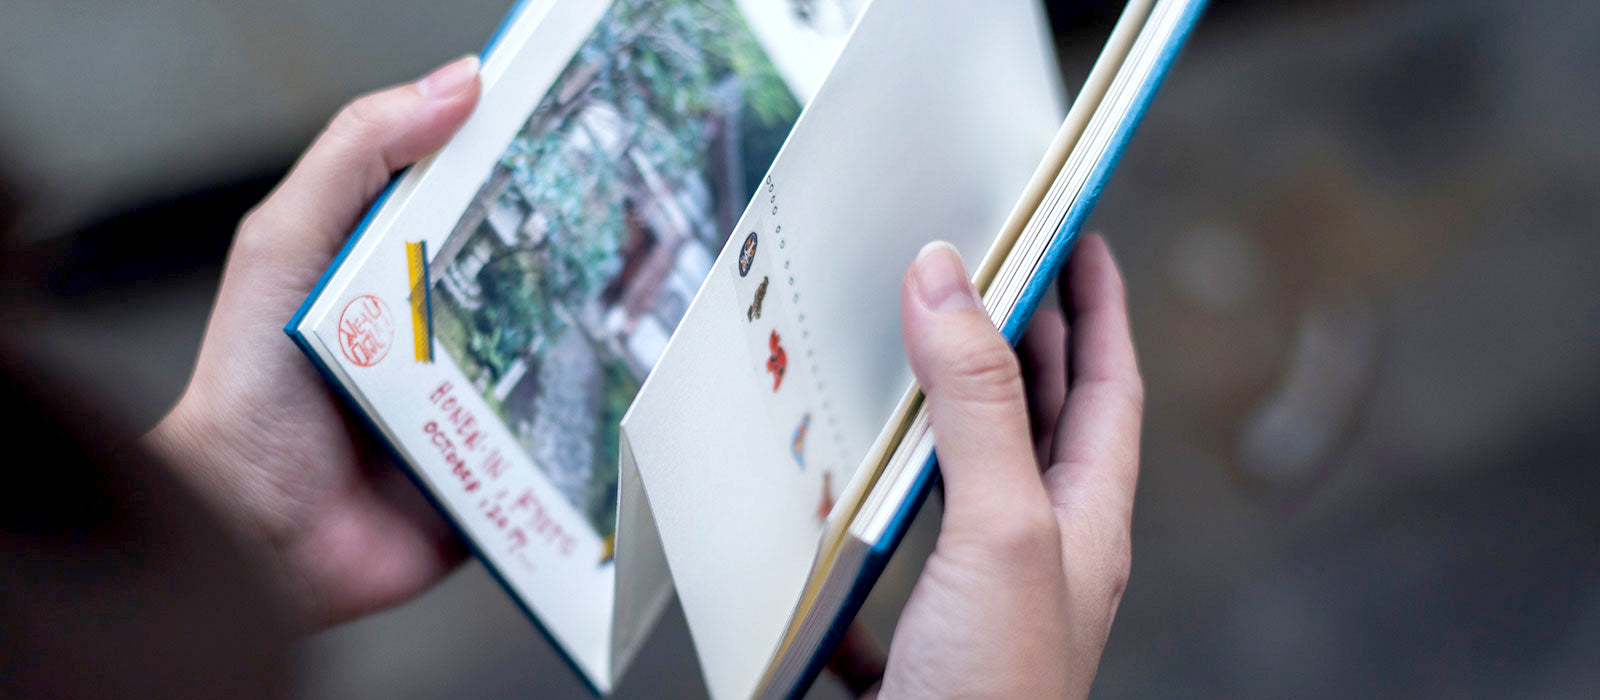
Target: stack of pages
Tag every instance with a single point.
(635, 328)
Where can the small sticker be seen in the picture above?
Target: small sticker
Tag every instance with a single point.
(754, 312)
(747, 254)
(797, 445)
(777, 360)
(826, 506)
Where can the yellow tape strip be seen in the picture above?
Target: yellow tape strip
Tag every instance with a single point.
(421, 311)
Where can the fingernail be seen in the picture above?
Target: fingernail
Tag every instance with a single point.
(450, 79)
(941, 279)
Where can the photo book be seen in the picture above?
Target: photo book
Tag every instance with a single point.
(635, 328)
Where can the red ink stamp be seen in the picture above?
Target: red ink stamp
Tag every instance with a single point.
(777, 360)
(366, 330)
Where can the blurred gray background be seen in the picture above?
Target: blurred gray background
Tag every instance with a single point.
(1363, 260)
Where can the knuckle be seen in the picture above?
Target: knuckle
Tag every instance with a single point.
(1118, 395)
(253, 226)
(256, 218)
(1101, 541)
(1111, 557)
(986, 370)
(1119, 289)
(1119, 564)
(1135, 392)
(1028, 534)
(358, 121)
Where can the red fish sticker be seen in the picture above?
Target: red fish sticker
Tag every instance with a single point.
(777, 360)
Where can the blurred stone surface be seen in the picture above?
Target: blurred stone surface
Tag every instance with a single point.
(1430, 166)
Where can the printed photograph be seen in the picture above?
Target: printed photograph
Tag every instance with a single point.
(559, 286)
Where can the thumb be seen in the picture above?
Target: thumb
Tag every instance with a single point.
(360, 150)
(973, 385)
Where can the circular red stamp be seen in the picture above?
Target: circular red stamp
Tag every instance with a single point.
(366, 330)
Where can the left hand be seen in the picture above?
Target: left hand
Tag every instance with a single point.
(258, 432)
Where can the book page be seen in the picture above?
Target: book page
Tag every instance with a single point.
(501, 310)
(789, 361)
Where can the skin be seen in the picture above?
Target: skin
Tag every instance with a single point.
(258, 432)
(1033, 552)
(1032, 558)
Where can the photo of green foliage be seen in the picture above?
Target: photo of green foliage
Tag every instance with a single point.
(559, 286)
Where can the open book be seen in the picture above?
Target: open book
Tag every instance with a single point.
(635, 328)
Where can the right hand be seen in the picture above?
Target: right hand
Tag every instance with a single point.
(1018, 596)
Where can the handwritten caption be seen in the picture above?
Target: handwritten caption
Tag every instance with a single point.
(518, 515)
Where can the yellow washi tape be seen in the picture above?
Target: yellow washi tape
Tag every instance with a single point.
(421, 309)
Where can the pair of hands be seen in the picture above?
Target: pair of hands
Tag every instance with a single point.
(1032, 556)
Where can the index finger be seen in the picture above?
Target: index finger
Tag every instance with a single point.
(337, 178)
(1095, 461)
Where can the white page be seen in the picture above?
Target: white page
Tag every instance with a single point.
(929, 126)
(643, 584)
(540, 523)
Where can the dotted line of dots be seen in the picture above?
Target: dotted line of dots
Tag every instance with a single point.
(805, 336)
